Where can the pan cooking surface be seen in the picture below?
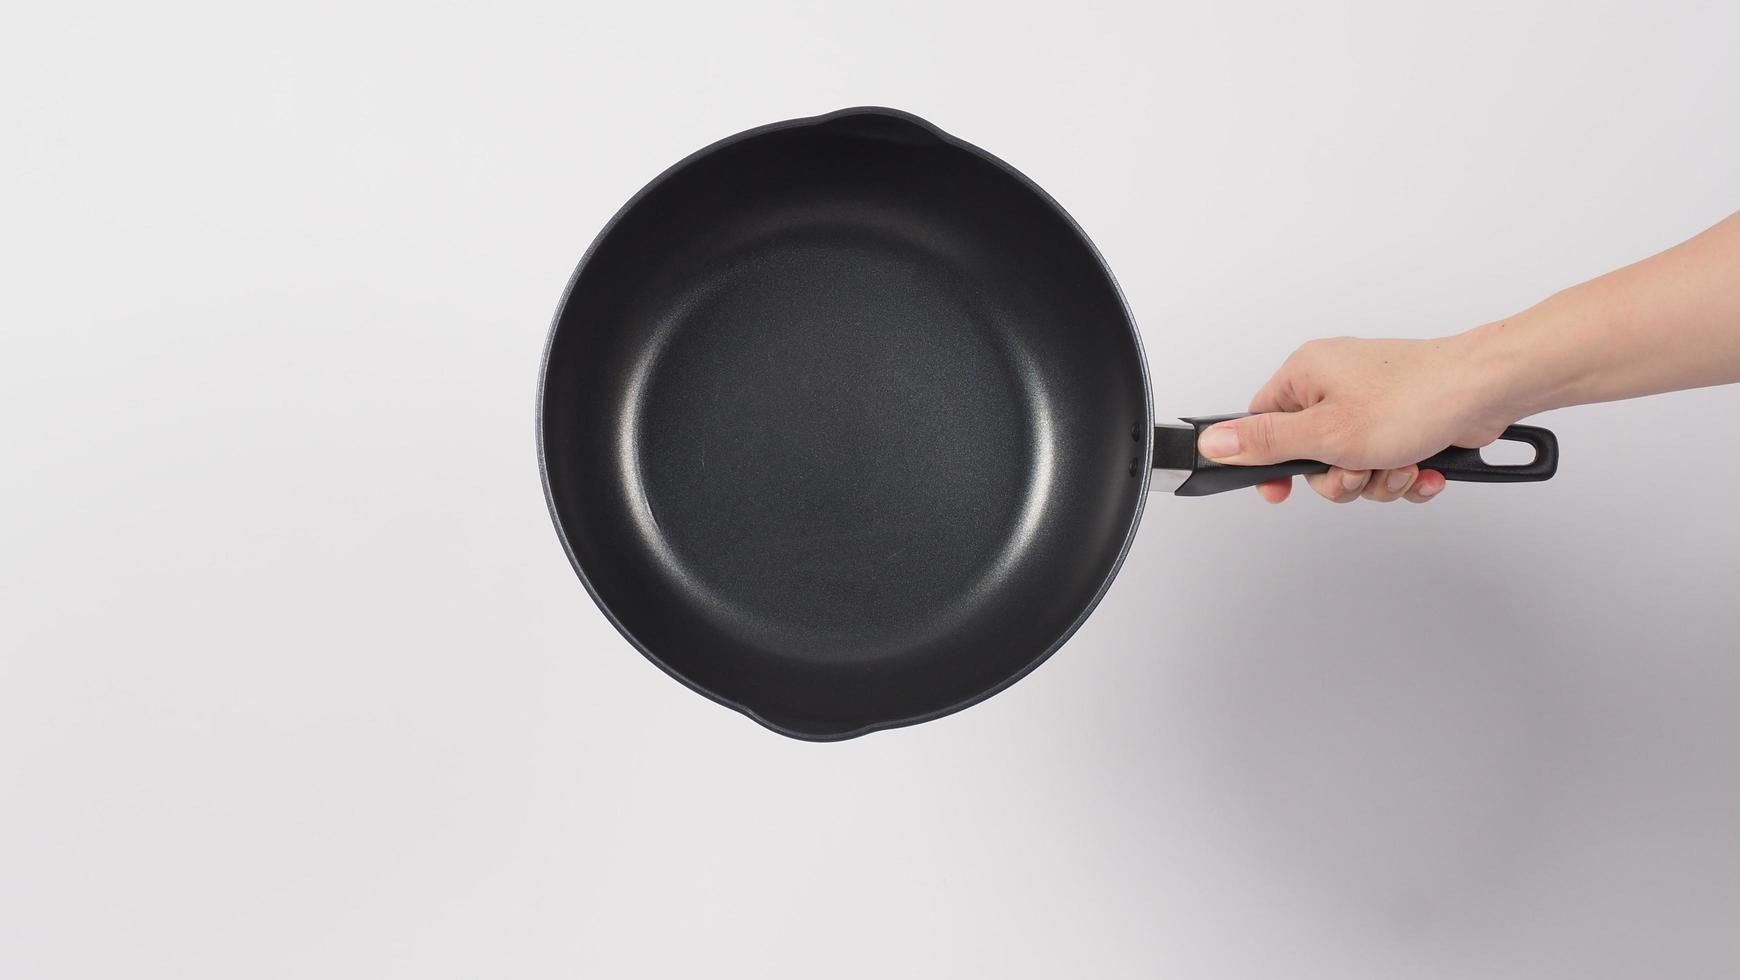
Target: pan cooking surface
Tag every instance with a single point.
(834, 447)
(836, 424)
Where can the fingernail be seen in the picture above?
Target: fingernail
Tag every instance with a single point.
(1398, 479)
(1219, 442)
(1427, 490)
(1352, 479)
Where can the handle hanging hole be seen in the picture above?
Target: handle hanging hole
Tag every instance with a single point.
(1508, 452)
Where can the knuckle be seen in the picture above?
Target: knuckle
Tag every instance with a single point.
(1262, 434)
(1308, 352)
(1325, 344)
(1334, 488)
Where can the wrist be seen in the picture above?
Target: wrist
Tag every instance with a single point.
(1504, 378)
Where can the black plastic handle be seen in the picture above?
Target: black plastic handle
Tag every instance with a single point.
(1175, 448)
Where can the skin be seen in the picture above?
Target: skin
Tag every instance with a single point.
(1374, 408)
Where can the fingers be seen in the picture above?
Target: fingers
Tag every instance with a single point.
(1345, 486)
(1276, 491)
(1426, 486)
(1338, 485)
(1272, 437)
(1388, 485)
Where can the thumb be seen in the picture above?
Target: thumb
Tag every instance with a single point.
(1273, 437)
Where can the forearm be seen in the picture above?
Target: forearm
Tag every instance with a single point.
(1668, 322)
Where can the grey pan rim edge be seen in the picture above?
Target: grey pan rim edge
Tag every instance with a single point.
(1146, 434)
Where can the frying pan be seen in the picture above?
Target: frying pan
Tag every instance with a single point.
(844, 423)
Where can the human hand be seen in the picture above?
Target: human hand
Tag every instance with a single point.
(1371, 408)
(1375, 408)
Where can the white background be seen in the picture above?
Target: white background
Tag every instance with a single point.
(296, 682)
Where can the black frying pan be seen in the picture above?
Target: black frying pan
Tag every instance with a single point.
(845, 425)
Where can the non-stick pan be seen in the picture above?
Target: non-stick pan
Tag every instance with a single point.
(844, 424)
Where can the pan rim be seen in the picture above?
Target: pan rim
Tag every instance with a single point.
(1146, 434)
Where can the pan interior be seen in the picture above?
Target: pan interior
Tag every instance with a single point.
(837, 424)
(829, 416)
